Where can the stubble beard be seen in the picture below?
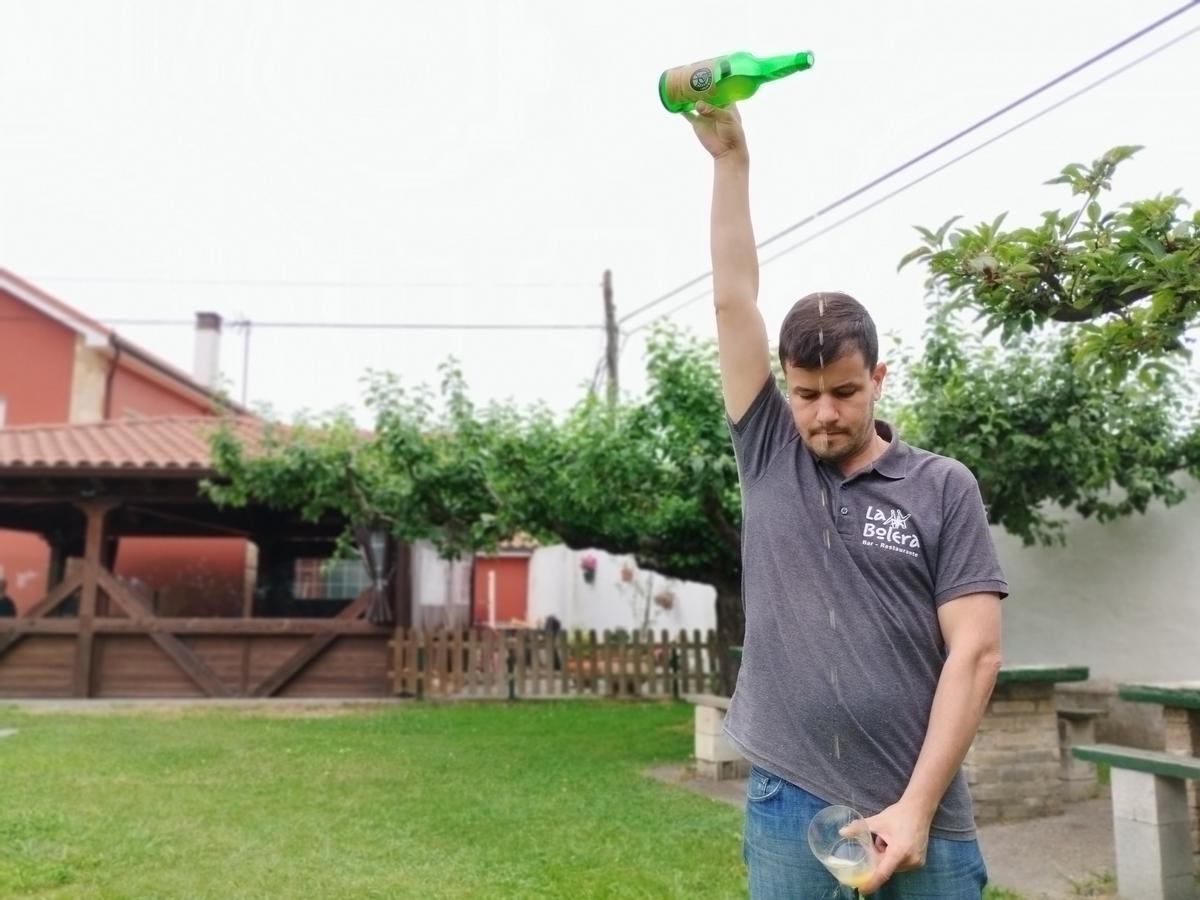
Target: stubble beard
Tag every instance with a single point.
(822, 444)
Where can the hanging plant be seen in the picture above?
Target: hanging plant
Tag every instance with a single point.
(587, 565)
(665, 599)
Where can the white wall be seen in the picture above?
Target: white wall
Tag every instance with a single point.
(441, 593)
(1122, 598)
(441, 590)
(557, 587)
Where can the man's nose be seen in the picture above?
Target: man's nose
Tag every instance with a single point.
(827, 411)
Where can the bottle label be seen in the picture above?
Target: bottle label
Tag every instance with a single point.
(689, 83)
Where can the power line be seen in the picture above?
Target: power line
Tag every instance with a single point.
(365, 326)
(916, 159)
(674, 309)
(854, 215)
(424, 326)
(279, 283)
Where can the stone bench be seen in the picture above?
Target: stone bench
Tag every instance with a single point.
(716, 759)
(1151, 820)
(1180, 705)
(1078, 714)
(1014, 768)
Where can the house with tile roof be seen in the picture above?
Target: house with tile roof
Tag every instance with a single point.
(60, 367)
(127, 580)
(101, 629)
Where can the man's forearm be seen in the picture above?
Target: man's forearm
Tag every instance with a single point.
(734, 256)
(959, 702)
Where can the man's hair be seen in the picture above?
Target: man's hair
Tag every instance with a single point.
(826, 326)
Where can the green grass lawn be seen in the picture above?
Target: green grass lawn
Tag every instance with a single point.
(532, 800)
(467, 801)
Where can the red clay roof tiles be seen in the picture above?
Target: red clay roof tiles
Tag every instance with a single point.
(152, 444)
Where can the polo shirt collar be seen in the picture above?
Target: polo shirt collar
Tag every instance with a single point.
(894, 461)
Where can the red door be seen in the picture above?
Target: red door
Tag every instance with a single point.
(501, 589)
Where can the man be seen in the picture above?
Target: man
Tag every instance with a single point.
(871, 588)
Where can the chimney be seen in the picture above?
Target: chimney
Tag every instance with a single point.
(208, 345)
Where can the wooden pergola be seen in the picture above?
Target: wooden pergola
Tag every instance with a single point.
(82, 488)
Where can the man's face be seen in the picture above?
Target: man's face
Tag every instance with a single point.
(834, 407)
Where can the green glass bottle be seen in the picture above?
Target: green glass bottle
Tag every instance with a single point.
(723, 80)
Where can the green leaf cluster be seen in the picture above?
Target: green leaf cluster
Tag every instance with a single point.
(1040, 433)
(1082, 399)
(1128, 277)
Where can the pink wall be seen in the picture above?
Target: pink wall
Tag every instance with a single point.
(187, 576)
(134, 394)
(37, 358)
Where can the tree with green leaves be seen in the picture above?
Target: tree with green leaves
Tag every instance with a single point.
(1082, 402)
(654, 479)
(419, 475)
(1128, 278)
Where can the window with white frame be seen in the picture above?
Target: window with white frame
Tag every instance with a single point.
(335, 579)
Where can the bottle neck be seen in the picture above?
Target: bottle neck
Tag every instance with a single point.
(778, 66)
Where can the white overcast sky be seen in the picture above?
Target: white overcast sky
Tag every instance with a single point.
(289, 158)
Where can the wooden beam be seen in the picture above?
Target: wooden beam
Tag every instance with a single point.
(49, 603)
(227, 627)
(93, 547)
(241, 627)
(191, 521)
(270, 685)
(15, 629)
(183, 656)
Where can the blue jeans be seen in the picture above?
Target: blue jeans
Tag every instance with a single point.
(782, 867)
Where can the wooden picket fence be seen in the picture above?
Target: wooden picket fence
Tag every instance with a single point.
(525, 663)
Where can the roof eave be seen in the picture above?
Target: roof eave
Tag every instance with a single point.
(94, 334)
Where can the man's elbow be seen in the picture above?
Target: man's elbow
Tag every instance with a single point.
(983, 658)
(735, 299)
(990, 663)
(988, 660)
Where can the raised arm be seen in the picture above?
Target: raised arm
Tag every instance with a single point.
(741, 333)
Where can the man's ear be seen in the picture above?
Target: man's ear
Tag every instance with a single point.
(877, 376)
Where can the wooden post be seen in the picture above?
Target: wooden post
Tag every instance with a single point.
(635, 664)
(471, 678)
(534, 649)
(401, 582)
(92, 551)
(523, 657)
(622, 641)
(562, 649)
(611, 339)
(664, 662)
(56, 568)
(510, 656)
(458, 679)
(593, 661)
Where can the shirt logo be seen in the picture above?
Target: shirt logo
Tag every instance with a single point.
(889, 531)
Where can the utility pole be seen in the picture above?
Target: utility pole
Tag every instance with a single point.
(611, 336)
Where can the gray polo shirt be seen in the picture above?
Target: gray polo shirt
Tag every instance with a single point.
(841, 580)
